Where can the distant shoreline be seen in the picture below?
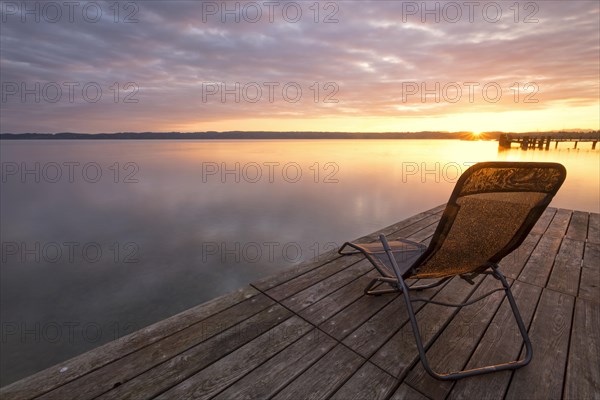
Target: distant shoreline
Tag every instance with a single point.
(211, 135)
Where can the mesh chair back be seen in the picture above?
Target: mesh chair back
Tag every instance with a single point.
(491, 211)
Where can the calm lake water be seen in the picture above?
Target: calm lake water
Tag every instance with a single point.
(101, 238)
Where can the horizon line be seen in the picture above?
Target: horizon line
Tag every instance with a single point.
(567, 130)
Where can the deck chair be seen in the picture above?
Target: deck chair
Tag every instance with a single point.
(491, 211)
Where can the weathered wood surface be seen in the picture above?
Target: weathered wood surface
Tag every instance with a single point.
(450, 352)
(583, 370)
(311, 332)
(500, 343)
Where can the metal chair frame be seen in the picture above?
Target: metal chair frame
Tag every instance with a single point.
(405, 289)
(410, 268)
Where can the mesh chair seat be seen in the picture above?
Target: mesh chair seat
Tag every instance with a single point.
(406, 252)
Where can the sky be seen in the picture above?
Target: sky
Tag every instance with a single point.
(372, 66)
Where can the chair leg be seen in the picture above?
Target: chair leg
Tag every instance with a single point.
(474, 371)
(376, 282)
(431, 285)
(372, 290)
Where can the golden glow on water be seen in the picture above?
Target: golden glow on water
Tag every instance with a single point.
(377, 175)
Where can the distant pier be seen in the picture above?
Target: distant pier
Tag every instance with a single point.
(526, 142)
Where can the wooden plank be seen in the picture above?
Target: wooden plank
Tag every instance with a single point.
(427, 224)
(578, 226)
(369, 382)
(350, 318)
(72, 369)
(324, 377)
(304, 281)
(323, 309)
(549, 335)
(589, 288)
(371, 335)
(501, 343)
(437, 209)
(399, 353)
(405, 232)
(423, 234)
(213, 379)
(538, 267)
(275, 374)
(591, 257)
(294, 271)
(542, 224)
(589, 284)
(567, 266)
(583, 368)
(594, 228)
(176, 369)
(228, 331)
(407, 226)
(405, 392)
(451, 351)
(512, 265)
(559, 223)
(319, 290)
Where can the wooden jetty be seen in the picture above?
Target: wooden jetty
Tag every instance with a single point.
(527, 141)
(310, 332)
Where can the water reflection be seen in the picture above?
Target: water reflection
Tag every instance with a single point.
(170, 224)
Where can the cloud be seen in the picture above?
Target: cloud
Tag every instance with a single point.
(349, 59)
